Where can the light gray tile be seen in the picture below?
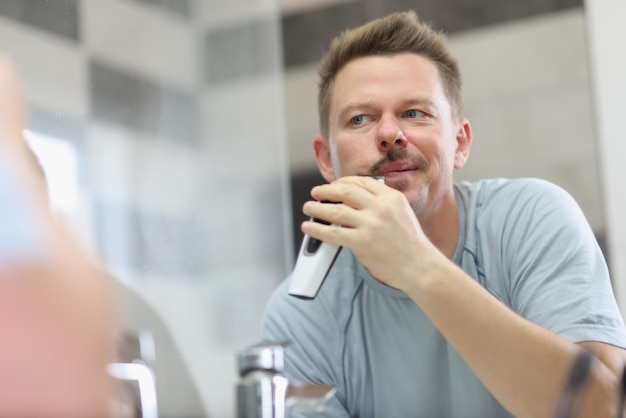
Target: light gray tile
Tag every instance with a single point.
(540, 54)
(52, 70)
(213, 14)
(182, 8)
(151, 243)
(535, 135)
(242, 50)
(301, 110)
(56, 124)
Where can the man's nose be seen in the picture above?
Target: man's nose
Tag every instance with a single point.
(390, 134)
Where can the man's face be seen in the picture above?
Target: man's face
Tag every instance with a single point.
(389, 116)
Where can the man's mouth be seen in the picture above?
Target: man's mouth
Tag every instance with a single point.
(397, 168)
(396, 162)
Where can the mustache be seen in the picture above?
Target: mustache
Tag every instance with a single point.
(393, 155)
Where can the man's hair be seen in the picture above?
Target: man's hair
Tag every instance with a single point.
(394, 34)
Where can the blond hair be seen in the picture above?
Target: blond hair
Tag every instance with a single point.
(397, 33)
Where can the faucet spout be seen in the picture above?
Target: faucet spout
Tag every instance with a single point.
(263, 392)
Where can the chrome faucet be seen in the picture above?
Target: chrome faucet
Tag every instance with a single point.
(263, 392)
(134, 386)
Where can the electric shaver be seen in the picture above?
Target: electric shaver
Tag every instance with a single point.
(315, 260)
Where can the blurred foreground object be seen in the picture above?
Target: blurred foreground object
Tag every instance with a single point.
(135, 393)
(55, 311)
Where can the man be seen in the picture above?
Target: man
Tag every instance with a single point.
(55, 313)
(448, 300)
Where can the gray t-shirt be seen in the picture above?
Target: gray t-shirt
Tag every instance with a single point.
(526, 241)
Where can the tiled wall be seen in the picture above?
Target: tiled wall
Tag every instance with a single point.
(176, 110)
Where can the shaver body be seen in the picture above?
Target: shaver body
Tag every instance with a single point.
(312, 266)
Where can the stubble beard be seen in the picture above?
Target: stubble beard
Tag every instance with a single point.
(418, 202)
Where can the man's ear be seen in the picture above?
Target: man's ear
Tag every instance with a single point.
(463, 143)
(321, 147)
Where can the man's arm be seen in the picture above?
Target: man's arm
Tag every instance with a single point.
(54, 302)
(522, 364)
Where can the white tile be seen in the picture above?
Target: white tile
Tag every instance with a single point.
(219, 13)
(246, 128)
(530, 55)
(52, 70)
(549, 136)
(128, 168)
(142, 39)
(302, 115)
(246, 151)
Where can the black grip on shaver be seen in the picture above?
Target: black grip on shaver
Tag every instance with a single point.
(314, 244)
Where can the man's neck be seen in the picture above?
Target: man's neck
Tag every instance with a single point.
(441, 225)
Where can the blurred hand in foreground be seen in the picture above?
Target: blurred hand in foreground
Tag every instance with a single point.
(55, 308)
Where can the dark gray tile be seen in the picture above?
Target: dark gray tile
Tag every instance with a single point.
(306, 35)
(458, 15)
(270, 240)
(132, 101)
(241, 51)
(57, 16)
(181, 8)
(151, 243)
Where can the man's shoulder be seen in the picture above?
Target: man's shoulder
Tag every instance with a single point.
(506, 185)
(508, 192)
(494, 206)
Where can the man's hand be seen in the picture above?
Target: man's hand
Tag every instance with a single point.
(378, 226)
(12, 109)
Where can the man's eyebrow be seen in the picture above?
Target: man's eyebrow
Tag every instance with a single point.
(421, 101)
(351, 107)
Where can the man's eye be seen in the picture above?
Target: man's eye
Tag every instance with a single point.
(358, 120)
(412, 114)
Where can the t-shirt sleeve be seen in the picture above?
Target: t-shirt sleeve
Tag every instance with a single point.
(314, 354)
(558, 276)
